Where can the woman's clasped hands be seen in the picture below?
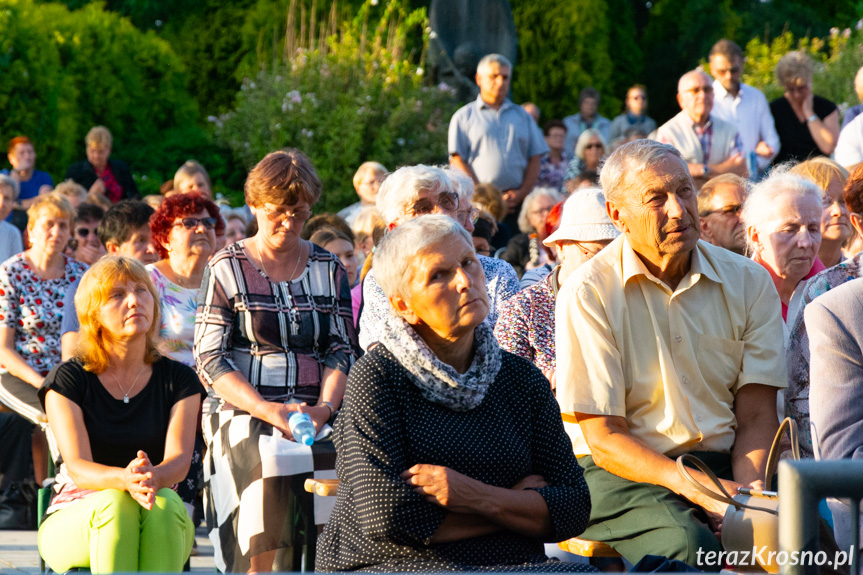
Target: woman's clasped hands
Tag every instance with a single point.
(139, 479)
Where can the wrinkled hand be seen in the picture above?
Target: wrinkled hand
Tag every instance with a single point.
(98, 187)
(763, 150)
(140, 482)
(511, 199)
(88, 253)
(443, 486)
(530, 482)
(551, 376)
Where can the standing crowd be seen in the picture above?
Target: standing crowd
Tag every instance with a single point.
(156, 354)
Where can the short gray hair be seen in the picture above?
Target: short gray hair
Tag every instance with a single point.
(461, 183)
(527, 205)
(761, 203)
(10, 182)
(490, 59)
(402, 187)
(397, 252)
(631, 159)
(794, 67)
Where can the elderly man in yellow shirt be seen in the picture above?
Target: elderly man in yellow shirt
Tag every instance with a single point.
(665, 345)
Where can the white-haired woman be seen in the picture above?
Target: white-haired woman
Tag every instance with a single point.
(414, 191)
(590, 149)
(10, 237)
(782, 216)
(525, 250)
(438, 422)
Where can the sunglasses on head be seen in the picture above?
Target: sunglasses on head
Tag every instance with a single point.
(192, 223)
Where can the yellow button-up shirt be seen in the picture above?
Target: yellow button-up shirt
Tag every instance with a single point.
(669, 361)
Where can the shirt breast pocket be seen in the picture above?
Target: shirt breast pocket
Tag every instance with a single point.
(720, 360)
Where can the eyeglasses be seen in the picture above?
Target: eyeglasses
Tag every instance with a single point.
(586, 251)
(192, 223)
(84, 232)
(464, 215)
(484, 252)
(446, 201)
(593, 146)
(800, 88)
(697, 89)
(279, 215)
(731, 210)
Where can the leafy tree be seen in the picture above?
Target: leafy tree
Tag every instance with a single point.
(563, 47)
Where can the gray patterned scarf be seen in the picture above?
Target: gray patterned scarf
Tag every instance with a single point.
(439, 382)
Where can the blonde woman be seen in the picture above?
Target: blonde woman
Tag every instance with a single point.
(124, 418)
(99, 173)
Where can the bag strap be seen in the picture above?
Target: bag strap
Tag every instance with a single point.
(789, 425)
(723, 494)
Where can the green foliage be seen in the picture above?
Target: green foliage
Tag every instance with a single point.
(93, 67)
(836, 60)
(355, 95)
(563, 46)
(678, 35)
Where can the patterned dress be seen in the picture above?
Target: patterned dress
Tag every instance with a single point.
(501, 282)
(280, 337)
(381, 524)
(33, 307)
(525, 325)
(797, 355)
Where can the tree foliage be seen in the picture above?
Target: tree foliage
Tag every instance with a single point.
(563, 46)
(355, 95)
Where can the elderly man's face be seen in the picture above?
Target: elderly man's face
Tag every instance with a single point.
(447, 296)
(722, 226)
(727, 71)
(659, 213)
(788, 241)
(695, 96)
(493, 83)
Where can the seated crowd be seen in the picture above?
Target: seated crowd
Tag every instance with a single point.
(164, 350)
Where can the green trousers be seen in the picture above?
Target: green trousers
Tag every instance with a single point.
(638, 519)
(110, 532)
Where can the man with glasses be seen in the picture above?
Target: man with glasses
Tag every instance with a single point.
(495, 141)
(719, 203)
(742, 105)
(710, 146)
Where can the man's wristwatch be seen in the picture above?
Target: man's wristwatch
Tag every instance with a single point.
(811, 118)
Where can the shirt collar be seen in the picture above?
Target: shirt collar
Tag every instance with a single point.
(720, 92)
(481, 103)
(699, 266)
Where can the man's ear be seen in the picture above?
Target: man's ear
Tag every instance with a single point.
(615, 216)
(704, 224)
(754, 238)
(404, 309)
(112, 247)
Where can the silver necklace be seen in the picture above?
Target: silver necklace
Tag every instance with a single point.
(292, 311)
(134, 383)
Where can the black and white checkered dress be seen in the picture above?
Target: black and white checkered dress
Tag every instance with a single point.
(280, 337)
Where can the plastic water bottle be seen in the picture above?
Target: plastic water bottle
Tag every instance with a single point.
(302, 428)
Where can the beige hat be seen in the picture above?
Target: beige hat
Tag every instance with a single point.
(584, 219)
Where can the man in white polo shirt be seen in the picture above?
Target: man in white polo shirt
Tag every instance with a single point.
(741, 104)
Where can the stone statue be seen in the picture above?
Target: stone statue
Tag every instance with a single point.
(463, 31)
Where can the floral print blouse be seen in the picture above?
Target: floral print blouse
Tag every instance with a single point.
(33, 307)
(179, 305)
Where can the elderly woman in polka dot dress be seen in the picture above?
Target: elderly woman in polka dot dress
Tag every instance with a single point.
(451, 452)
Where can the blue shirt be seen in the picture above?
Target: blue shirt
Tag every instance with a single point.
(496, 143)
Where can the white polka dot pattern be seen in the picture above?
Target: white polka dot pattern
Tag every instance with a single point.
(380, 524)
